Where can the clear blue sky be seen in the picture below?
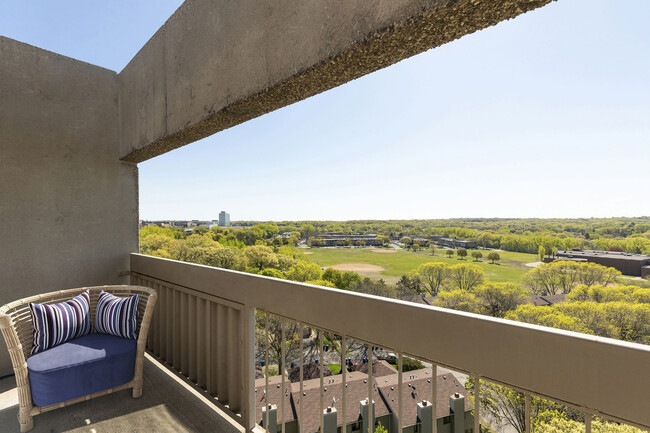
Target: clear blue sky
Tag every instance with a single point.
(547, 115)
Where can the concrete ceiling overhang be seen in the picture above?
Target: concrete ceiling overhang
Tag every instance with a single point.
(216, 64)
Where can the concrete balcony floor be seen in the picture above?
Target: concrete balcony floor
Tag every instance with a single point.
(168, 404)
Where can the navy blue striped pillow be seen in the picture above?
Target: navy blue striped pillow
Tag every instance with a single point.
(55, 324)
(116, 316)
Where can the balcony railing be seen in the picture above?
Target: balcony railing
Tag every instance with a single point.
(204, 327)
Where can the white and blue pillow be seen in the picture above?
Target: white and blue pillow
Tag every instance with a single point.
(117, 316)
(54, 324)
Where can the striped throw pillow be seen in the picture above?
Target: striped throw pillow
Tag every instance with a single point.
(116, 316)
(55, 324)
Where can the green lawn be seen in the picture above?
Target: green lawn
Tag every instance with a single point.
(510, 268)
(334, 368)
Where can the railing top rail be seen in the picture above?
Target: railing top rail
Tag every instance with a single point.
(599, 374)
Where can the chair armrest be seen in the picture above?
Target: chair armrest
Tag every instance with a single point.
(13, 343)
(146, 321)
(142, 344)
(18, 362)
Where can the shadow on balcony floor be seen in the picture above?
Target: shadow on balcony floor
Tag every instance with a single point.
(168, 404)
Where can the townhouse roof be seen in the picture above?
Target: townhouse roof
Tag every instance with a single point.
(356, 391)
(537, 301)
(416, 386)
(309, 371)
(416, 298)
(546, 300)
(554, 299)
(274, 393)
(429, 299)
(379, 369)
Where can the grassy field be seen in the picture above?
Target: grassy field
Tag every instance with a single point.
(510, 268)
(334, 368)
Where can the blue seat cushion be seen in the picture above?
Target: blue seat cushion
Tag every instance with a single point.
(79, 367)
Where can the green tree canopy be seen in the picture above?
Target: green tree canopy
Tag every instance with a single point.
(373, 287)
(557, 422)
(341, 280)
(433, 276)
(307, 230)
(290, 342)
(497, 299)
(156, 245)
(541, 253)
(303, 271)
(323, 283)
(270, 272)
(508, 406)
(460, 300)
(561, 276)
(408, 286)
(547, 316)
(597, 293)
(464, 276)
(260, 257)
(493, 257)
(228, 258)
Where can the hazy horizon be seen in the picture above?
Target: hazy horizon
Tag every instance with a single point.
(395, 219)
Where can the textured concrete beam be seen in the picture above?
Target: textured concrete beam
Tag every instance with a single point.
(216, 64)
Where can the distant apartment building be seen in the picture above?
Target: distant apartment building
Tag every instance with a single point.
(335, 239)
(457, 243)
(453, 410)
(629, 264)
(417, 240)
(224, 219)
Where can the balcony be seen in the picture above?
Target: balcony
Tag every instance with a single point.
(71, 136)
(170, 403)
(201, 365)
(204, 330)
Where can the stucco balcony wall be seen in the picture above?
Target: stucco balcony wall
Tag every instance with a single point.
(68, 206)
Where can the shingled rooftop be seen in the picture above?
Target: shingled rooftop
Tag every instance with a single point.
(416, 388)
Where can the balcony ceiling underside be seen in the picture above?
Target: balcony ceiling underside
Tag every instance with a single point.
(214, 65)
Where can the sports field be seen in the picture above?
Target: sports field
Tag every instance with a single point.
(396, 263)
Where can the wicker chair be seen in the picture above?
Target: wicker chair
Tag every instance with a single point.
(16, 326)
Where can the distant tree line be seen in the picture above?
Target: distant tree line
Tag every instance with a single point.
(595, 303)
(520, 235)
(535, 236)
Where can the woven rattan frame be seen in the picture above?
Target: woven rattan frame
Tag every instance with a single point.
(16, 327)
